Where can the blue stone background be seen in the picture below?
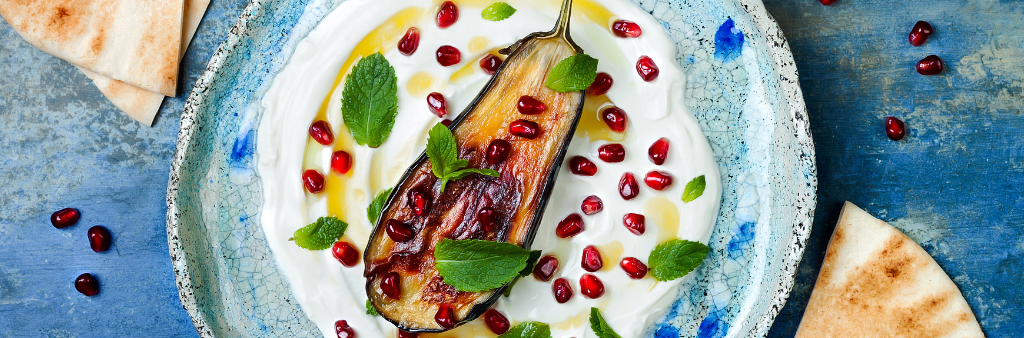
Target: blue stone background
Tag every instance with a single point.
(955, 184)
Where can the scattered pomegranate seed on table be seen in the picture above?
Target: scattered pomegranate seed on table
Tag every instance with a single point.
(592, 205)
(591, 259)
(496, 322)
(437, 103)
(341, 162)
(345, 253)
(545, 268)
(633, 267)
(894, 128)
(591, 286)
(658, 180)
(636, 223)
(64, 218)
(486, 218)
(410, 42)
(626, 29)
(313, 180)
(827, 2)
(490, 63)
(647, 69)
(321, 132)
(445, 316)
(419, 202)
(448, 55)
(611, 153)
(572, 225)
(497, 151)
(658, 151)
(524, 128)
(447, 14)
(930, 65)
(343, 330)
(87, 285)
(628, 187)
(391, 285)
(398, 231)
(99, 238)
(601, 84)
(615, 118)
(582, 166)
(562, 290)
(920, 33)
(528, 105)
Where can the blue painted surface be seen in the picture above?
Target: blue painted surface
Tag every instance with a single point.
(956, 184)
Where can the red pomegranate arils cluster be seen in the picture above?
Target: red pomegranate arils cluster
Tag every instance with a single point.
(611, 153)
(582, 166)
(592, 205)
(490, 63)
(391, 285)
(64, 218)
(633, 267)
(341, 162)
(445, 316)
(572, 225)
(545, 268)
(320, 131)
(527, 105)
(447, 55)
(635, 223)
(313, 180)
(591, 286)
(628, 187)
(99, 238)
(615, 118)
(894, 128)
(591, 259)
(626, 29)
(562, 290)
(658, 151)
(601, 85)
(447, 15)
(496, 322)
(658, 180)
(345, 253)
(647, 69)
(437, 104)
(410, 42)
(343, 330)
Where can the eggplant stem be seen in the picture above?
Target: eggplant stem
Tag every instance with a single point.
(562, 26)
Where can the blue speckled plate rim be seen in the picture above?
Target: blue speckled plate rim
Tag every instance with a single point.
(788, 80)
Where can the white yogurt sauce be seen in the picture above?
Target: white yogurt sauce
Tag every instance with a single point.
(327, 291)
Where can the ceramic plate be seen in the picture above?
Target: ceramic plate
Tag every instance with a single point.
(741, 86)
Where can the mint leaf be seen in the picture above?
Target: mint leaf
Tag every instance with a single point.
(319, 235)
(574, 73)
(498, 11)
(676, 258)
(443, 152)
(370, 310)
(469, 171)
(530, 262)
(694, 189)
(375, 207)
(601, 327)
(474, 265)
(369, 101)
(528, 330)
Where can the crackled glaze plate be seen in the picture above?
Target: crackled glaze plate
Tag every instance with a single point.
(741, 86)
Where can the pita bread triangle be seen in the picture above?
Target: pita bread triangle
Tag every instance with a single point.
(134, 41)
(876, 282)
(140, 104)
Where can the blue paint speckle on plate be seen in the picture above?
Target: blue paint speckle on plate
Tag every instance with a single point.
(243, 147)
(728, 41)
(745, 234)
(666, 331)
(712, 326)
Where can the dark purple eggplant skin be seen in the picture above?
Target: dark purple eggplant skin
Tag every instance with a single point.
(518, 196)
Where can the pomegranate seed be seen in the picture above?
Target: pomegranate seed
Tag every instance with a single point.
(341, 162)
(448, 55)
(658, 151)
(601, 84)
(920, 33)
(438, 105)
(497, 151)
(582, 166)
(592, 205)
(562, 290)
(591, 286)
(99, 238)
(611, 153)
(636, 223)
(313, 180)
(64, 218)
(445, 316)
(446, 122)
(87, 285)
(524, 128)
(447, 14)
(407, 334)
(345, 253)
(490, 63)
(321, 132)
(894, 128)
(545, 268)
(572, 225)
(658, 180)
(591, 259)
(827, 2)
(528, 105)
(496, 321)
(626, 29)
(647, 69)
(615, 118)
(486, 218)
(628, 188)
(410, 42)
(391, 285)
(344, 331)
(633, 267)
(419, 203)
(398, 231)
(930, 65)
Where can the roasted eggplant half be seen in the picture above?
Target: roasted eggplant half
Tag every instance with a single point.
(526, 150)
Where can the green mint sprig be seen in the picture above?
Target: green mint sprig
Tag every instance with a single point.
(676, 258)
(572, 74)
(319, 235)
(498, 11)
(444, 161)
(370, 310)
(375, 207)
(369, 101)
(474, 265)
(694, 189)
(528, 330)
(600, 326)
